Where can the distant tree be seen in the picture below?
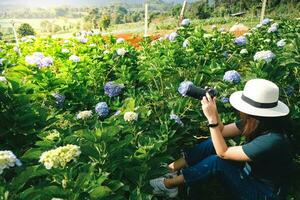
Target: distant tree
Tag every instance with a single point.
(105, 22)
(26, 29)
(60, 12)
(56, 28)
(93, 17)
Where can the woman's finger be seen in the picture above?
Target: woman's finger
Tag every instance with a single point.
(208, 96)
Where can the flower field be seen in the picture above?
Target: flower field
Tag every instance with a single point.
(96, 118)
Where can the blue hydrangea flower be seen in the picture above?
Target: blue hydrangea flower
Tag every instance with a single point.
(183, 87)
(173, 36)
(185, 22)
(289, 90)
(60, 99)
(111, 89)
(176, 119)
(224, 99)
(240, 40)
(186, 43)
(267, 56)
(281, 43)
(102, 109)
(232, 76)
(265, 21)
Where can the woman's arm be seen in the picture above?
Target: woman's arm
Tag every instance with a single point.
(231, 153)
(230, 130)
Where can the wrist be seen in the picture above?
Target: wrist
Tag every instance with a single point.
(212, 120)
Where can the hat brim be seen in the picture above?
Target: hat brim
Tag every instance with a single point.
(236, 101)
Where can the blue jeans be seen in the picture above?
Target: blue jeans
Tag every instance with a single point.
(203, 164)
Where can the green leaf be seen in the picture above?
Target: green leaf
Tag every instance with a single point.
(32, 154)
(100, 192)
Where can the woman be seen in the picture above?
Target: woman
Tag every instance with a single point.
(253, 171)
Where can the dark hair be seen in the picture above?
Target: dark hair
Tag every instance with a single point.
(281, 125)
(254, 126)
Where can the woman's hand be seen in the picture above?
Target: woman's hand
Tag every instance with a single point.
(209, 108)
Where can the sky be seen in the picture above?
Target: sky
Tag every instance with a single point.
(47, 3)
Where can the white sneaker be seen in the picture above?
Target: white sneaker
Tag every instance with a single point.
(159, 188)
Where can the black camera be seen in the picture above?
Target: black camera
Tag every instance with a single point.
(187, 88)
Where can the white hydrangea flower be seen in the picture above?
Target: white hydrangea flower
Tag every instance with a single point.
(172, 37)
(54, 198)
(92, 45)
(267, 56)
(213, 27)
(53, 135)
(186, 43)
(281, 43)
(130, 116)
(82, 39)
(64, 50)
(121, 51)
(74, 58)
(267, 40)
(120, 40)
(60, 156)
(185, 22)
(244, 51)
(106, 52)
(7, 160)
(84, 114)
(3, 79)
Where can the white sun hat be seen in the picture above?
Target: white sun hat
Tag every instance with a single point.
(259, 98)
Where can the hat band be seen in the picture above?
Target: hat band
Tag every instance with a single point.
(257, 104)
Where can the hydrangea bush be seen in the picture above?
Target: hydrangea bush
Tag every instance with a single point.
(142, 116)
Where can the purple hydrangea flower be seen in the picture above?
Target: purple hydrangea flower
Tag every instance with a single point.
(240, 40)
(82, 39)
(173, 36)
(183, 87)
(112, 89)
(102, 109)
(47, 61)
(38, 59)
(267, 56)
(185, 22)
(224, 99)
(60, 99)
(265, 21)
(232, 76)
(176, 119)
(186, 43)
